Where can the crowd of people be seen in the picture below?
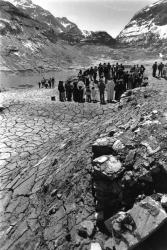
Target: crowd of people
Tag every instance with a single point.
(105, 83)
(47, 83)
(159, 70)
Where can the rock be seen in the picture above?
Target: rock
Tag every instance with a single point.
(164, 201)
(59, 196)
(118, 145)
(99, 216)
(135, 225)
(111, 131)
(53, 209)
(109, 244)
(149, 149)
(54, 192)
(127, 178)
(145, 176)
(130, 157)
(95, 246)
(163, 165)
(103, 146)
(154, 114)
(86, 228)
(108, 166)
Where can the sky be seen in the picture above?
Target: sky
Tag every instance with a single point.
(108, 15)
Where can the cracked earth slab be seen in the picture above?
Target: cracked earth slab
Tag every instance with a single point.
(45, 146)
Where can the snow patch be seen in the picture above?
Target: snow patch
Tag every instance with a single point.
(86, 33)
(5, 20)
(32, 46)
(135, 30)
(23, 3)
(59, 30)
(2, 25)
(65, 25)
(162, 31)
(158, 2)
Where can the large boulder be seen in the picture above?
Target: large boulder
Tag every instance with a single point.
(107, 166)
(130, 228)
(103, 146)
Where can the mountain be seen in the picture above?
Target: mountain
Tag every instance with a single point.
(64, 28)
(27, 43)
(147, 27)
(98, 37)
(32, 38)
(59, 25)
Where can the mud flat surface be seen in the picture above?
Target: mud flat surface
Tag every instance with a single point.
(45, 163)
(29, 80)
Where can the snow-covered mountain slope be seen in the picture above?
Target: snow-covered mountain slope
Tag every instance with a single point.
(148, 26)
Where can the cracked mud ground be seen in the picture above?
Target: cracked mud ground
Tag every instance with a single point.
(41, 141)
(45, 158)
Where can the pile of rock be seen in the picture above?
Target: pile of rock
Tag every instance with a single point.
(129, 171)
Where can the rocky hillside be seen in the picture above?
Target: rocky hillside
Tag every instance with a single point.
(27, 43)
(32, 38)
(147, 27)
(64, 28)
(59, 25)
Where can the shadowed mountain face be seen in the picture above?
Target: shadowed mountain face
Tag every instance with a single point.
(148, 26)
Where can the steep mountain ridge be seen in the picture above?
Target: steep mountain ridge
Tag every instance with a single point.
(147, 27)
(32, 38)
(64, 28)
(27, 43)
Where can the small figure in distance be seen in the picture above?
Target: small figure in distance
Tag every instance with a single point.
(154, 68)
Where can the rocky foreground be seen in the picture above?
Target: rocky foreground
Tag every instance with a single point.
(84, 176)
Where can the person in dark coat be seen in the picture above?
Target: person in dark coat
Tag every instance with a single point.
(100, 69)
(106, 72)
(39, 84)
(69, 90)
(118, 90)
(101, 90)
(61, 90)
(154, 68)
(87, 81)
(142, 69)
(95, 74)
(160, 69)
(49, 83)
(53, 82)
(75, 92)
(91, 73)
(88, 94)
(80, 94)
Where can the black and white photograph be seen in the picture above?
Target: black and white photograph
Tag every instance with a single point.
(83, 125)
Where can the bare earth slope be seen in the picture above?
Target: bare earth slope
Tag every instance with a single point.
(45, 159)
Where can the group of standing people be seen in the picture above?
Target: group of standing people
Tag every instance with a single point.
(105, 83)
(159, 70)
(47, 83)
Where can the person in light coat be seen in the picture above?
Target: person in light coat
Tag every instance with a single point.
(110, 90)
